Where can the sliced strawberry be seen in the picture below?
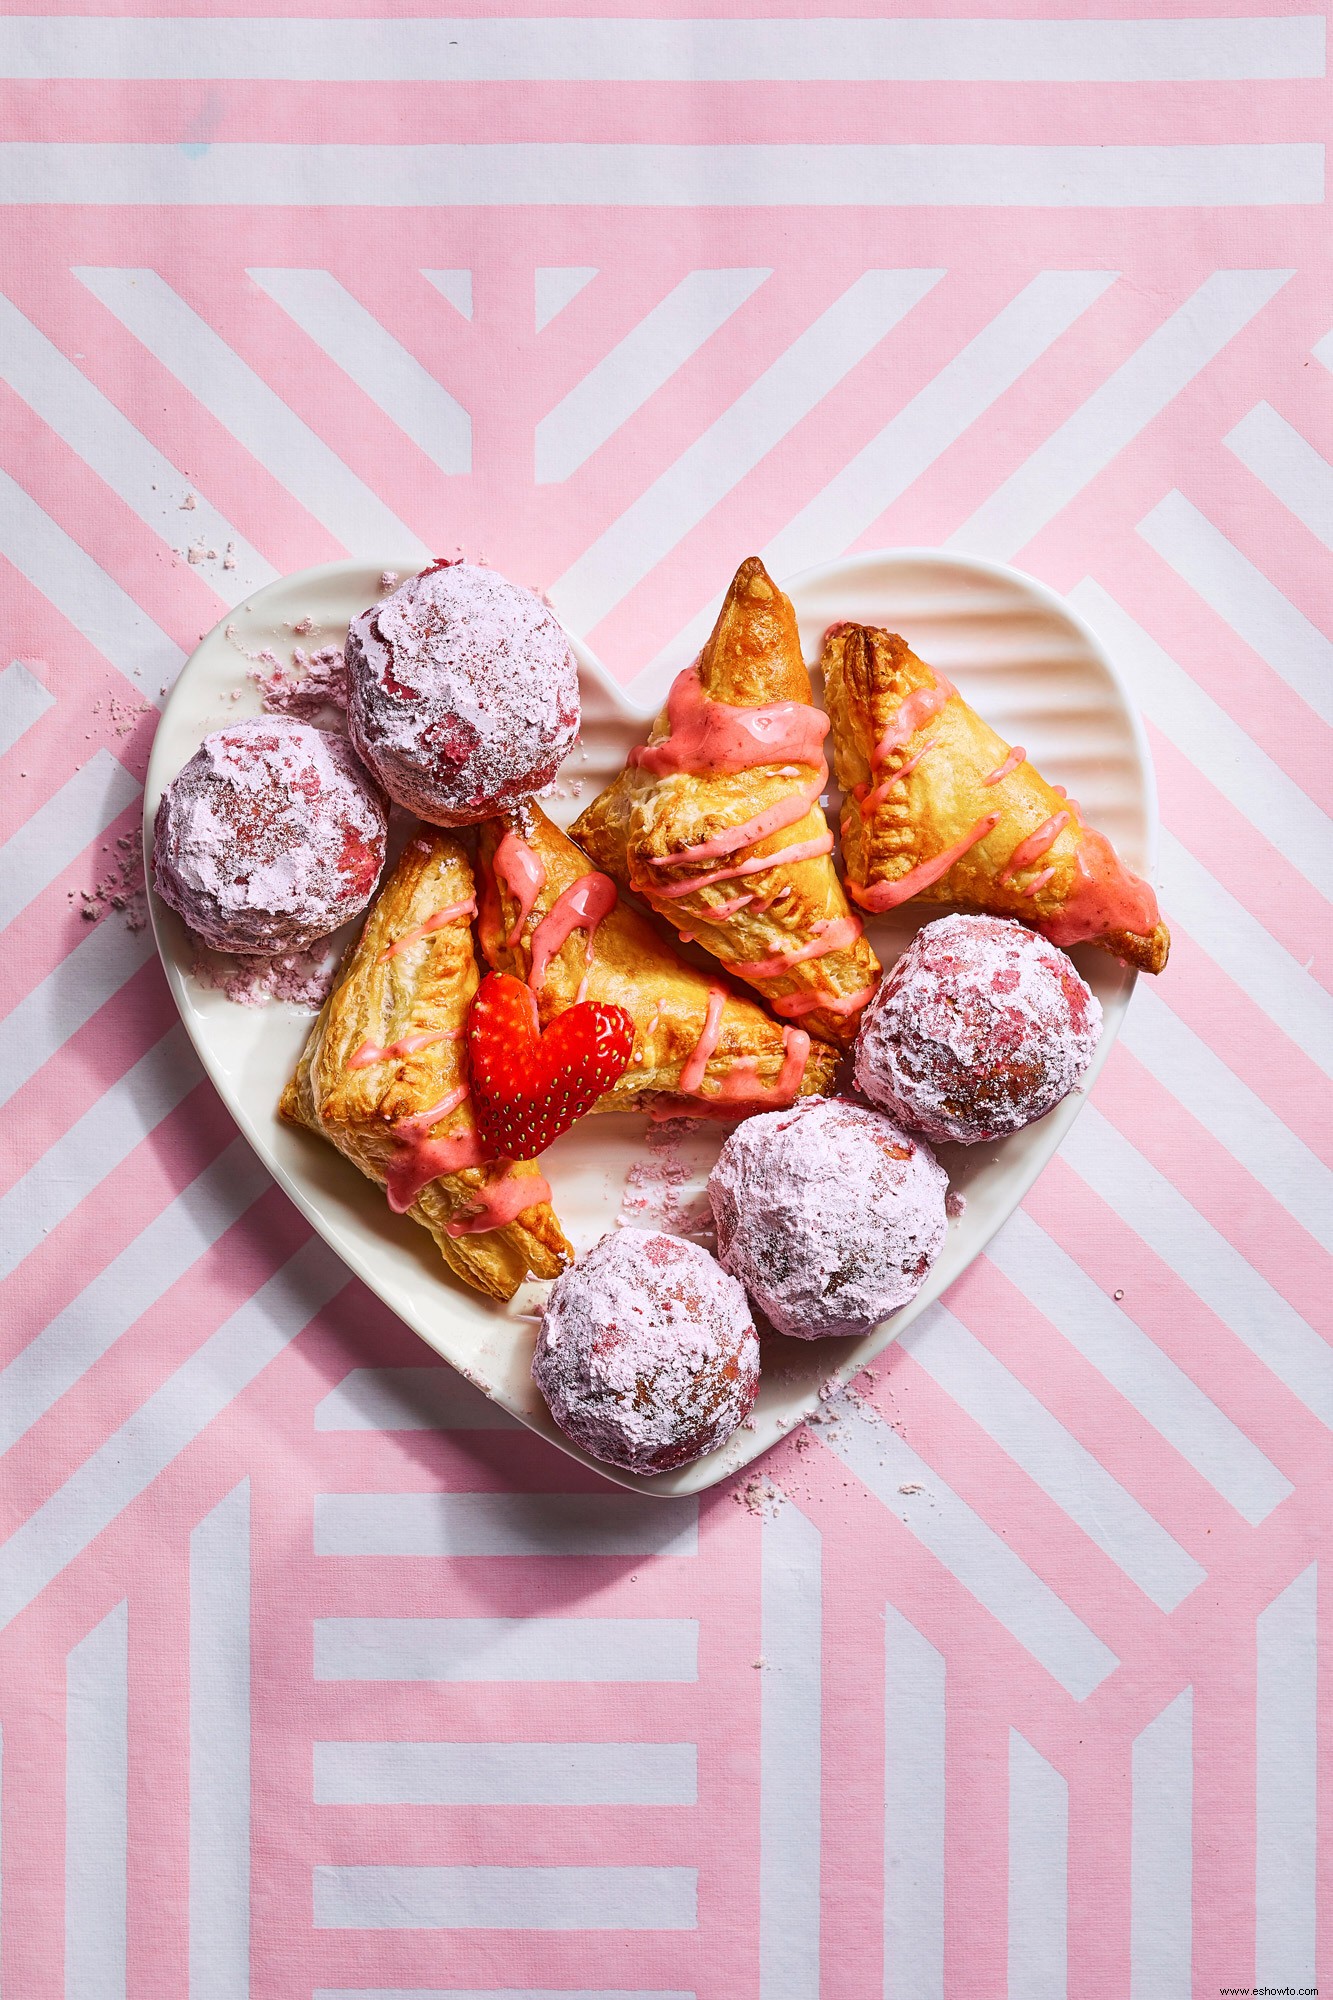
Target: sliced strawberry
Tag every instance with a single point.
(529, 1087)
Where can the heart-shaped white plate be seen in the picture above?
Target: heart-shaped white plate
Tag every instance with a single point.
(1012, 647)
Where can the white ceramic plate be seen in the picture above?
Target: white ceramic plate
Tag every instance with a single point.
(1012, 647)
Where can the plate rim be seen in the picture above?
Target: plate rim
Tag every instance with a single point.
(703, 1474)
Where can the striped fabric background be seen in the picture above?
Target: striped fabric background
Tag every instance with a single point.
(319, 1681)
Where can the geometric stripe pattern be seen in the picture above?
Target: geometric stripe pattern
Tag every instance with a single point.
(1007, 1675)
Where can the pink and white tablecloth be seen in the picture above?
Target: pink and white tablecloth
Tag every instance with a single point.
(317, 1677)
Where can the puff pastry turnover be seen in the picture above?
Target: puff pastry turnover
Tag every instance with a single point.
(939, 809)
(716, 820)
(700, 1045)
(384, 1079)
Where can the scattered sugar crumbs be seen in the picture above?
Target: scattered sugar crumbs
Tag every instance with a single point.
(255, 979)
(120, 889)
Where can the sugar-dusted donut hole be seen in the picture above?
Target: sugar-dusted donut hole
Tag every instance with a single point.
(981, 1027)
(647, 1354)
(463, 693)
(828, 1214)
(270, 837)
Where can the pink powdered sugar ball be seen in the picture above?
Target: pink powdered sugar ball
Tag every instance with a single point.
(981, 1027)
(464, 695)
(270, 837)
(647, 1354)
(828, 1214)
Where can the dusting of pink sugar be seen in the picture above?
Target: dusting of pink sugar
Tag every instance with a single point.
(647, 1354)
(312, 689)
(828, 1214)
(271, 836)
(253, 979)
(463, 693)
(981, 1027)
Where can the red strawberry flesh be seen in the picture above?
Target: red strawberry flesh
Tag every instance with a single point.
(529, 1087)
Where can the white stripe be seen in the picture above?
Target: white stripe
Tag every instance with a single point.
(105, 439)
(1288, 465)
(57, 832)
(979, 1559)
(489, 1993)
(81, 590)
(1065, 1470)
(1150, 1382)
(1116, 411)
(171, 1418)
(569, 174)
(1277, 984)
(936, 417)
(1203, 732)
(506, 1774)
(790, 1726)
(636, 368)
(57, 1007)
(789, 388)
(503, 1524)
(506, 1899)
(1038, 1875)
(456, 286)
(914, 1779)
(1256, 1138)
(1286, 1786)
(1243, 598)
(469, 50)
(201, 361)
(220, 1750)
(1201, 1256)
(381, 367)
(1162, 1855)
(95, 1145)
(408, 1399)
(555, 286)
(96, 1809)
(68, 1345)
(23, 701)
(506, 1649)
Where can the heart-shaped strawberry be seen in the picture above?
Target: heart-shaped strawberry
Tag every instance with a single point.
(529, 1087)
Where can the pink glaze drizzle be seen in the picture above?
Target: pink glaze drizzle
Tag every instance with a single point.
(916, 710)
(741, 1086)
(785, 813)
(580, 907)
(1017, 756)
(832, 934)
(803, 850)
(420, 1122)
(792, 1006)
(523, 873)
(1039, 882)
(368, 1053)
(706, 737)
(496, 1204)
(692, 1075)
(420, 1160)
(887, 895)
(870, 802)
(436, 922)
(1032, 849)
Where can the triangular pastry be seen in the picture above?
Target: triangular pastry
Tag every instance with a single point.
(939, 809)
(701, 1046)
(384, 1078)
(716, 821)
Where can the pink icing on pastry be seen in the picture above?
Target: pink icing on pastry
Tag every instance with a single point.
(496, 1203)
(408, 1045)
(708, 737)
(692, 1075)
(463, 693)
(793, 1006)
(435, 922)
(771, 820)
(1017, 756)
(870, 802)
(523, 873)
(828, 1214)
(916, 709)
(270, 837)
(802, 850)
(580, 907)
(1032, 849)
(887, 895)
(981, 1027)
(647, 1354)
(831, 934)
